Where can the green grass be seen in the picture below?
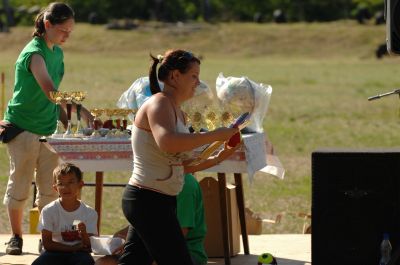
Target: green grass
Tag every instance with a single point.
(321, 74)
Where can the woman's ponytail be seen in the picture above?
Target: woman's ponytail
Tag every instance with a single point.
(39, 25)
(154, 85)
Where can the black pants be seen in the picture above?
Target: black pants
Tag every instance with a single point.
(154, 231)
(64, 258)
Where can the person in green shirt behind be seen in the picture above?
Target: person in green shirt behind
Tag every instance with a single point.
(32, 113)
(190, 213)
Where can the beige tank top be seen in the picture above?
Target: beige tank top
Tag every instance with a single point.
(154, 169)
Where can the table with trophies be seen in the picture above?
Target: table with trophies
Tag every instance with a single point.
(98, 149)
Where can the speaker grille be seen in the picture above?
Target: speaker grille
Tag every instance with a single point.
(355, 199)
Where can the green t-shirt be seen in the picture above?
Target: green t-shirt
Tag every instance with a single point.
(190, 211)
(29, 108)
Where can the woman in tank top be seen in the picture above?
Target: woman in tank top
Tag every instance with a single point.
(161, 145)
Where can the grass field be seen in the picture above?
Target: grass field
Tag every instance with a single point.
(321, 74)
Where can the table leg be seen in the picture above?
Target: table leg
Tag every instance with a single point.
(242, 214)
(224, 216)
(98, 197)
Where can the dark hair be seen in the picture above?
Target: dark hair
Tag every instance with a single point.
(172, 60)
(56, 13)
(65, 169)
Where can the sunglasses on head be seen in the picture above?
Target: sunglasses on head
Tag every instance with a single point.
(186, 56)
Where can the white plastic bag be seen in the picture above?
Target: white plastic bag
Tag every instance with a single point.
(105, 245)
(240, 94)
(134, 97)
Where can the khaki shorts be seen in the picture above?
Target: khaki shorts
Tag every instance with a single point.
(30, 158)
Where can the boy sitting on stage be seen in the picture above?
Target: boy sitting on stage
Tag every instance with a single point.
(67, 223)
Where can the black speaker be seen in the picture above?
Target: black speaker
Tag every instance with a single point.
(392, 14)
(355, 199)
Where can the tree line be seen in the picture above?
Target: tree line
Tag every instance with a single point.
(101, 11)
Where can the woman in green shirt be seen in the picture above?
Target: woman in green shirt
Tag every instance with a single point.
(39, 70)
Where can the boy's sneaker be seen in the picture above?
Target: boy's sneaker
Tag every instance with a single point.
(14, 245)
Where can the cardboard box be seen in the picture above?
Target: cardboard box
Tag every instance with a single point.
(213, 243)
(253, 223)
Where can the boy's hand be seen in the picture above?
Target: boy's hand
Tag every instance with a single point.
(119, 250)
(81, 227)
(84, 235)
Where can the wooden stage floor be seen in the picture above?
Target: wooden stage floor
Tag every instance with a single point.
(289, 249)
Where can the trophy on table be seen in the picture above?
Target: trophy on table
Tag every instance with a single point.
(96, 122)
(68, 97)
(211, 120)
(110, 113)
(118, 114)
(226, 118)
(196, 119)
(78, 97)
(57, 96)
(125, 113)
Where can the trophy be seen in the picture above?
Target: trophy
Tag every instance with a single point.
(57, 96)
(110, 113)
(96, 123)
(196, 119)
(211, 120)
(226, 118)
(125, 113)
(78, 97)
(119, 113)
(68, 98)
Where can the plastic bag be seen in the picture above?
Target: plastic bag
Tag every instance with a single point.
(240, 94)
(105, 245)
(134, 97)
(137, 94)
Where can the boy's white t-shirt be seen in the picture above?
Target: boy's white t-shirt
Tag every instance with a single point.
(61, 222)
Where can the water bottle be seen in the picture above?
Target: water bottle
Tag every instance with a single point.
(386, 250)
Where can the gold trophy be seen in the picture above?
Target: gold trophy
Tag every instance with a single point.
(226, 118)
(58, 96)
(125, 113)
(78, 97)
(68, 98)
(96, 123)
(211, 120)
(110, 113)
(118, 114)
(197, 120)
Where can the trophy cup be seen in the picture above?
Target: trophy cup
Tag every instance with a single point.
(117, 131)
(68, 98)
(196, 119)
(57, 96)
(96, 123)
(78, 97)
(110, 113)
(119, 113)
(125, 113)
(226, 118)
(211, 120)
